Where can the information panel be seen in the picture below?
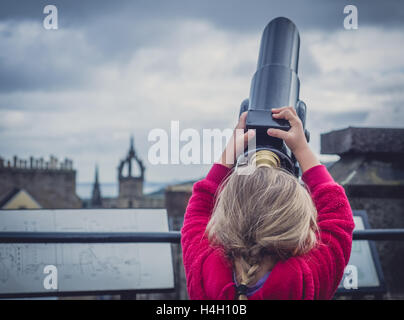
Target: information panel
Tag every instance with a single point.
(363, 273)
(30, 268)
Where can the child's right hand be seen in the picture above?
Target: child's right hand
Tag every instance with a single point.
(294, 138)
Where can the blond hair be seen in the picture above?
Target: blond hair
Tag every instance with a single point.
(266, 213)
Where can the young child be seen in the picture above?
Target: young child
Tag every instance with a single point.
(264, 235)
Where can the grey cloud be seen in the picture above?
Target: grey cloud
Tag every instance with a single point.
(232, 14)
(110, 34)
(32, 58)
(114, 31)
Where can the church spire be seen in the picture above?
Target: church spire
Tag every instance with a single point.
(96, 199)
(131, 186)
(96, 174)
(131, 155)
(132, 147)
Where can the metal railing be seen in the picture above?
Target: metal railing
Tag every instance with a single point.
(153, 237)
(90, 237)
(150, 237)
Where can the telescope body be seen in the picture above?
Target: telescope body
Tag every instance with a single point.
(275, 84)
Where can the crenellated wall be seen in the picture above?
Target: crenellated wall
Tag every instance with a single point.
(51, 183)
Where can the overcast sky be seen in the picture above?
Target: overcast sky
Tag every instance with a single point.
(116, 68)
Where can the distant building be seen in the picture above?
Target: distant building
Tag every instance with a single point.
(96, 199)
(38, 184)
(130, 192)
(176, 200)
(371, 170)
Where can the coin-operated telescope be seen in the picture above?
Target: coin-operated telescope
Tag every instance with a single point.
(275, 84)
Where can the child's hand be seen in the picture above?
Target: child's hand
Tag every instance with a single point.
(237, 143)
(294, 138)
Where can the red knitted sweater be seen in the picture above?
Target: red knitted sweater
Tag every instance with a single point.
(315, 275)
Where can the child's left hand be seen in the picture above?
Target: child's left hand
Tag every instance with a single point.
(237, 143)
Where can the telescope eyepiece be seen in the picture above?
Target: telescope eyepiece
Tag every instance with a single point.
(265, 158)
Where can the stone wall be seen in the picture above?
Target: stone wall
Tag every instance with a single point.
(130, 187)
